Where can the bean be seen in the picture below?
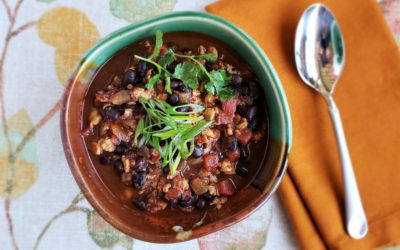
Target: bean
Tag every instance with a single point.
(121, 149)
(198, 151)
(243, 90)
(231, 143)
(207, 196)
(251, 113)
(165, 171)
(173, 203)
(141, 68)
(254, 89)
(173, 99)
(174, 84)
(245, 152)
(241, 170)
(118, 166)
(209, 66)
(241, 110)
(141, 165)
(141, 205)
(111, 112)
(172, 66)
(139, 180)
(188, 201)
(200, 204)
(254, 124)
(129, 77)
(185, 89)
(236, 79)
(105, 159)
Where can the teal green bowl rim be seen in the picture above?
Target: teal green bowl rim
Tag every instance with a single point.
(92, 60)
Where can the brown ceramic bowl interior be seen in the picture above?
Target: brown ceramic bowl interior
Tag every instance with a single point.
(111, 198)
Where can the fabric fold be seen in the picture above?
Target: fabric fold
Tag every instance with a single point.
(368, 97)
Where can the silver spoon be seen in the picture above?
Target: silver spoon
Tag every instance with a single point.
(320, 56)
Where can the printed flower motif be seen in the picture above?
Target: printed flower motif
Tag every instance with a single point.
(17, 176)
(136, 10)
(71, 33)
(105, 235)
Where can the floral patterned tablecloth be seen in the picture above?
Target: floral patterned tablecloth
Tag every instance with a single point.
(41, 205)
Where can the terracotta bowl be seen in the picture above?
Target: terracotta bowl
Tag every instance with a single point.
(112, 202)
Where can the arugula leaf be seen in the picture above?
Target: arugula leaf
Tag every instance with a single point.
(153, 81)
(167, 59)
(188, 73)
(157, 45)
(210, 57)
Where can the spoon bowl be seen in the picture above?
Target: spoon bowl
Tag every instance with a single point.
(320, 58)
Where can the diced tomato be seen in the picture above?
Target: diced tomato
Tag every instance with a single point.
(233, 155)
(228, 111)
(226, 187)
(210, 162)
(244, 136)
(173, 194)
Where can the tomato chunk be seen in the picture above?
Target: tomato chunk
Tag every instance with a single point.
(233, 155)
(226, 187)
(210, 162)
(228, 111)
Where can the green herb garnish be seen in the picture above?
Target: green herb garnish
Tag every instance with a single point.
(169, 131)
(190, 72)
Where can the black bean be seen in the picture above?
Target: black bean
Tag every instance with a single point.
(254, 124)
(183, 109)
(200, 204)
(141, 68)
(241, 170)
(173, 203)
(141, 164)
(139, 180)
(254, 89)
(118, 166)
(189, 201)
(129, 77)
(236, 79)
(207, 196)
(243, 90)
(231, 143)
(111, 113)
(139, 204)
(106, 159)
(174, 84)
(121, 149)
(241, 110)
(209, 66)
(173, 99)
(244, 152)
(172, 66)
(184, 89)
(251, 113)
(198, 151)
(165, 171)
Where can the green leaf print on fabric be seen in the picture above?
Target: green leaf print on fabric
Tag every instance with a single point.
(135, 10)
(18, 172)
(104, 235)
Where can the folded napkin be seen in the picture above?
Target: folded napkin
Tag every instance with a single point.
(368, 97)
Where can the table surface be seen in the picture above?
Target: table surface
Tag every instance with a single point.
(41, 204)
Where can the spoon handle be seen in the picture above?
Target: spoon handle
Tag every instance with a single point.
(356, 222)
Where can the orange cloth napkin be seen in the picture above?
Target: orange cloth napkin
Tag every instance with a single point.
(368, 97)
